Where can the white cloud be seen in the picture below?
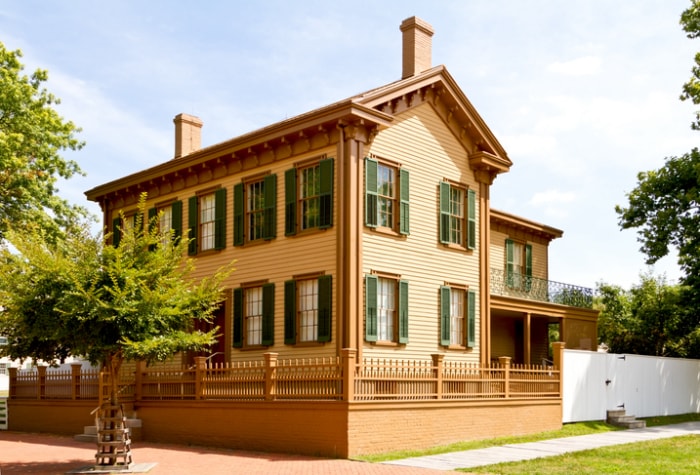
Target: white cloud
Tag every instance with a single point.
(553, 202)
(584, 66)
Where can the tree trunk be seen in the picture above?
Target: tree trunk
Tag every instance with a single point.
(113, 437)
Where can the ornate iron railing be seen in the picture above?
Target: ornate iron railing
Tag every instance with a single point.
(511, 284)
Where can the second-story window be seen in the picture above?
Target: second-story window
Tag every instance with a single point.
(207, 221)
(386, 196)
(518, 265)
(254, 204)
(309, 196)
(169, 219)
(457, 215)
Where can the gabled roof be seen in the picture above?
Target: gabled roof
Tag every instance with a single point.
(374, 108)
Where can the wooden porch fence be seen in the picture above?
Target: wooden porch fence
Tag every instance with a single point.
(330, 379)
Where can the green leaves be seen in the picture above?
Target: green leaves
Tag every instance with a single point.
(81, 297)
(32, 135)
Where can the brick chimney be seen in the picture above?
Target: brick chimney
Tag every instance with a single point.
(188, 134)
(417, 46)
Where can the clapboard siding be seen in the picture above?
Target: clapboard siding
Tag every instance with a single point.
(421, 143)
(276, 260)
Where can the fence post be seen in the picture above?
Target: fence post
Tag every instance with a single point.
(349, 361)
(75, 369)
(41, 381)
(505, 363)
(558, 358)
(13, 382)
(270, 375)
(138, 380)
(200, 370)
(438, 362)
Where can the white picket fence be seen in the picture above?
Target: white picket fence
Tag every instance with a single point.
(644, 386)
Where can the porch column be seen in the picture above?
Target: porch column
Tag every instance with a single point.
(527, 336)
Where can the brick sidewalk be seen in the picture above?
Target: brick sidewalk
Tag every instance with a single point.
(43, 454)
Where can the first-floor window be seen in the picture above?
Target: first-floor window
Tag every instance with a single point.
(308, 310)
(253, 315)
(386, 309)
(457, 316)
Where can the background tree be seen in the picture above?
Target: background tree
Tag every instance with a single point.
(32, 135)
(648, 319)
(77, 296)
(664, 207)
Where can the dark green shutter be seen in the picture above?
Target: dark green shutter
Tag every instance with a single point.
(444, 212)
(510, 280)
(325, 307)
(176, 224)
(268, 314)
(238, 318)
(445, 316)
(471, 219)
(471, 319)
(528, 267)
(116, 231)
(403, 311)
(238, 215)
(220, 218)
(270, 206)
(404, 215)
(326, 193)
(371, 308)
(290, 312)
(152, 224)
(290, 202)
(371, 192)
(193, 220)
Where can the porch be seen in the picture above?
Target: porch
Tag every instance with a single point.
(528, 314)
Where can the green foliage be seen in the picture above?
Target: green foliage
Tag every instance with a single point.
(690, 21)
(79, 297)
(32, 134)
(649, 319)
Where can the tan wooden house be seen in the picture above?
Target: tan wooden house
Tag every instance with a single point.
(363, 230)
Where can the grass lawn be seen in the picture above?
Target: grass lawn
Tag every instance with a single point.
(568, 430)
(676, 456)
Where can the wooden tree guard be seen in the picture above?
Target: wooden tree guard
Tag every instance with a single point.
(113, 439)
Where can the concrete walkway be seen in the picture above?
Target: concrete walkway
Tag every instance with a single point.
(545, 448)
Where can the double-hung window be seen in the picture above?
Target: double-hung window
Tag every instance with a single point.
(254, 204)
(386, 196)
(254, 315)
(457, 215)
(168, 219)
(123, 224)
(308, 309)
(308, 196)
(518, 265)
(457, 316)
(386, 309)
(207, 221)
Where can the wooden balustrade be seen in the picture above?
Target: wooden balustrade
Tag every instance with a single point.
(332, 379)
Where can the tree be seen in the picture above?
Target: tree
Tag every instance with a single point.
(648, 319)
(78, 296)
(690, 21)
(32, 135)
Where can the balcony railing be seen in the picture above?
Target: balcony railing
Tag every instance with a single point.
(511, 284)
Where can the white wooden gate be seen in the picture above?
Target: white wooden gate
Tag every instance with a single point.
(644, 386)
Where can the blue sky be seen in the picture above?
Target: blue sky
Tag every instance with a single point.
(582, 94)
